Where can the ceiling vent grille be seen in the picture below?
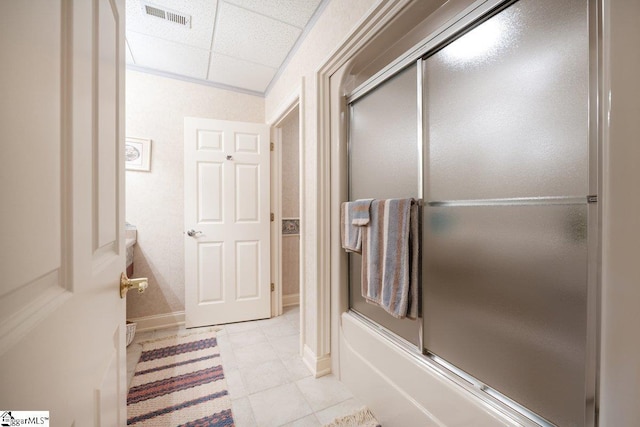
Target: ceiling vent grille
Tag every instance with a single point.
(167, 15)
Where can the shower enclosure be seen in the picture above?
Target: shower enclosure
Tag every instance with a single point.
(494, 129)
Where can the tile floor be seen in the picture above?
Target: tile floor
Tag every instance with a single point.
(269, 385)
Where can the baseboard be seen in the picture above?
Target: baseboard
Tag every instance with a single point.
(319, 366)
(289, 300)
(159, 321)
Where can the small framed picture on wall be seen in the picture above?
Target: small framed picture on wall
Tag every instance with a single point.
(137, 154)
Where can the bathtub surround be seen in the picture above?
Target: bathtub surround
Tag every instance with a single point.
(155, 109)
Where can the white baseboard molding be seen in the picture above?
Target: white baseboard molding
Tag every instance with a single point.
(289, 300)
(159, 321)
(319, 366)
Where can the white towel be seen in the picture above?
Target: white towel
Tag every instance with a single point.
(353, 216)
(390, 258)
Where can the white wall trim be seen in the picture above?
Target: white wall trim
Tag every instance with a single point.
(168, 75)
(159, 321)
(289, 300)
(319, 366)
(286, 106)
(296, 98)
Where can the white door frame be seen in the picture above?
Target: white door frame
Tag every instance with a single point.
(296, 99)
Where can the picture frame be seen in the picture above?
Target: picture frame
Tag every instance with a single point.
(137, 154)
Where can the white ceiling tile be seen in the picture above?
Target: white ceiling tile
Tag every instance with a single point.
(296, 12)
(163, 55)
(203, 13)
(237, 72)
(252, 37)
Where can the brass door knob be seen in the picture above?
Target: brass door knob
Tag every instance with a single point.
(140, 284)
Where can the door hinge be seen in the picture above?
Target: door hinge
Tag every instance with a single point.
(272, 217)
(273, 287)
(273, 146)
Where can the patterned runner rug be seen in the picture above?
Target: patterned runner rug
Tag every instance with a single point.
(179, 382)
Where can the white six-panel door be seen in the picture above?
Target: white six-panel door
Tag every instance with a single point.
(227, 255)
(62, 321)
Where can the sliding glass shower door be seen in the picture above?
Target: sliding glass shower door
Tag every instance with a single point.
(384, 163)
(495, 128)
(506, 240)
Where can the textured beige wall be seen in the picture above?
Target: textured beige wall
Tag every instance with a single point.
(290, 168)
(337, 21)
(290, 202)
(155, 109)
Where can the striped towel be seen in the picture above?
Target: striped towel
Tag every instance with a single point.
(390, 257)
(353, 215)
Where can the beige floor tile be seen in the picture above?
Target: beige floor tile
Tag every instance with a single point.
(308, 421)
(242, 413)
(265, 376)
(323, 392)
(277, 320)
(235, 383)
(245, 338)
(234, 328)
(287, 347)
(278, 330)
(255, 354)
(292, 310)
(297, 369)
(278, 406)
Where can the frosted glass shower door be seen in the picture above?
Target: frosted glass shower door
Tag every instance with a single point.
(384, 163)
(506, 239)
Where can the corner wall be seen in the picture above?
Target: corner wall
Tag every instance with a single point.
(155, 109)
(290, 208)
(334, 25)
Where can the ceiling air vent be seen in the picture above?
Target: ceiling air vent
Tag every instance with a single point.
(167, 14)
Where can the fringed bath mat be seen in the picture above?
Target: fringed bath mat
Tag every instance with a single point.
(179, 382)
(361, 418)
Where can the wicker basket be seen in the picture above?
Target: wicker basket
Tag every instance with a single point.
(131, 331)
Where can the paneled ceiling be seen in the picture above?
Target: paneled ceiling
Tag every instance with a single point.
(234, 44)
